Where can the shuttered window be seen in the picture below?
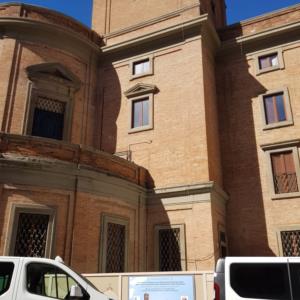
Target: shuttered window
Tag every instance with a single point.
(284, 173)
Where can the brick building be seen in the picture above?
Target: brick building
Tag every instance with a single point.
(160, 140)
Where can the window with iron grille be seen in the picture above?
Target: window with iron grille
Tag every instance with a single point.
(48, 118)
(170, 248)
(114, 244)
(115, 251)
(284, 172)
(290, 242)
(31, 236)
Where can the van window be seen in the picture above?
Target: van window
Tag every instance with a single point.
(6, 272)
(260, 280)
(50, 281)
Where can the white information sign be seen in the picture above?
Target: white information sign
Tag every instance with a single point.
(164, 287)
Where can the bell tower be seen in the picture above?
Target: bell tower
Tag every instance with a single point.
(116, 15)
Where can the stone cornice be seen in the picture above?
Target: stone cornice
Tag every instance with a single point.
(45, 15)
(202, 192)
(256, 39)
(165, 17)
(194, 24)
(54, 35)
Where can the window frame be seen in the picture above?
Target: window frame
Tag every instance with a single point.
(182, 245)
(35, 94)
(280, 65)
(105, 219)
(150, 113)
(287, 105)
(134, 61)
(268, 153)
(50, 80)
(16, 210)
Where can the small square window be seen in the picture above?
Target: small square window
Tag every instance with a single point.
(141, 67)
(269, 61)
(276, 109)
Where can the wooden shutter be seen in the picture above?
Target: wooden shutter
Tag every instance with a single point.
(284, 173)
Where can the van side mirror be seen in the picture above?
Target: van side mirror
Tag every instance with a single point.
(76, 292)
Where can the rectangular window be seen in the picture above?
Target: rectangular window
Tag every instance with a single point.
(284, 172)
(115, 255)
(141, 67)
(31, 235)
(170, 248)
(268, 61)
(31, 231)
(274, 108)
(48, 118)
(114, 244)
(290, 242)
(140, 113)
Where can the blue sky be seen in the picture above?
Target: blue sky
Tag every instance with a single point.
(237, 10)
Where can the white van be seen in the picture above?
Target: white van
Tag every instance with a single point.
(27, 278)
(257, 278)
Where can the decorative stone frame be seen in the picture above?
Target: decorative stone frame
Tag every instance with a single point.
(138, 92)
(140, 59)
(287, 105)
(181, 227)
(277, 148)
(280, 66)
(51, 80)
(16, 210)
(105, 219)
(278, 235)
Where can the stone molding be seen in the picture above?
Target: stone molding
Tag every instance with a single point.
(202, 192)
(141, 89)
